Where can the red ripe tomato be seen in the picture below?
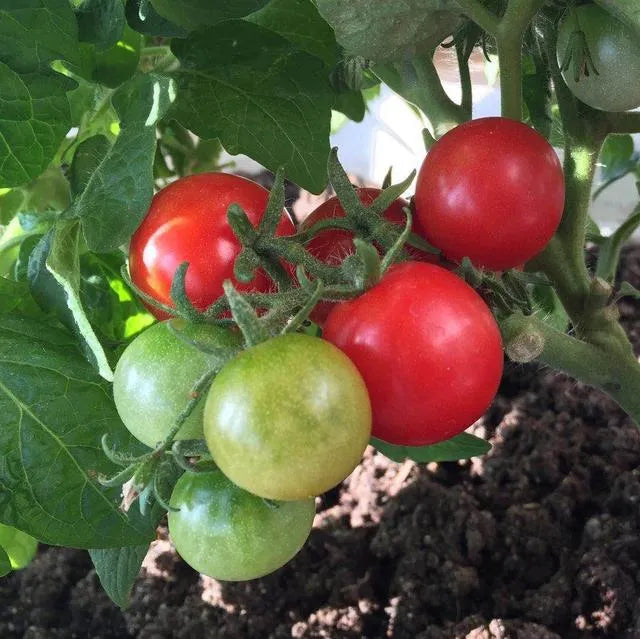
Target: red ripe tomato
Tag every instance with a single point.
(492, 190)
(333, 245)
(428, 349)
(187, 222)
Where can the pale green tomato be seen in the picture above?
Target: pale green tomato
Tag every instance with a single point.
(155, 375)
(227, 533)
(288, 418)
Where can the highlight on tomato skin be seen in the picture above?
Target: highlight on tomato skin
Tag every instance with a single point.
(332, 246)
(492, 190)
(187, 222)
(428, 349)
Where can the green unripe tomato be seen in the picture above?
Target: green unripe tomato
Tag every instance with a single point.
(288, 418)
(155, 375)
(227, 533)
(615, 53)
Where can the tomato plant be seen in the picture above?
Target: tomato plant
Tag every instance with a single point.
(475, 196)
(288, 418)
(600, 59)
(227, 533)
(187, 222)
(115, 118)
(428, 350)
(155, 375)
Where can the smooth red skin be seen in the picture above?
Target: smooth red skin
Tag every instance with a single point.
(493, 190)
(428, 349)
(333, 245)
(187, 222)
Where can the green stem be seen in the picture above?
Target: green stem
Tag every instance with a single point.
(484, 18)
(159, 50)
(618, 375)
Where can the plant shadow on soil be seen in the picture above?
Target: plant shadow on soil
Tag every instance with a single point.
(538, 540)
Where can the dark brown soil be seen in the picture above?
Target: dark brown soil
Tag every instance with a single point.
(538, 540)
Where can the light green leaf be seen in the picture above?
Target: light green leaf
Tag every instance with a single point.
(53, 411)
(19, 547)
(64, 264)
(117, 569)
(118, 192)
(461, 446)
(259, 95)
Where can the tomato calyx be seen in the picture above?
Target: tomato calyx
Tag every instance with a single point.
(577, 55)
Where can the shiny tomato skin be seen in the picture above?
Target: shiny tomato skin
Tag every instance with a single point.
(492, 190)
(289, 418)
(187, 222)
(227, 533)
(333, 245)
(428, 349)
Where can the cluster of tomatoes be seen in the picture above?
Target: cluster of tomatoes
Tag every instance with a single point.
(413, 360)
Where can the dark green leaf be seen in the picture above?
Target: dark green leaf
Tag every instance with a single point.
(536, 92)
(118, 193)
(100, 22)
(259, 95)
(391, 31)
(16, 296)
(35, 112)
(53, 412)
(616, 157)
(117, 569)
(299, 22)
(86, 160)
(142, 17)
(117, 64)
(35, 119)
(351, 103)
(609, 252)
(461, 446)
(195, 14)
(552, 310)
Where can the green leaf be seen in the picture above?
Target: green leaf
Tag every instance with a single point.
(391, 31)
(35, 114)
(16, 296)
(86, 160)
(35, 118)
(259, 95)
(117, 569)
(195, 14)
(118, 192)
(461, 446)
(536, 92)
(64, 264)
(118, 63)
(54, 410)
(628, 290)
(299, 22)
(19, 547)
(351, 103)
(616, 157)
(552, 312)
(142, 17)
(100, 22)
(609, 251)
